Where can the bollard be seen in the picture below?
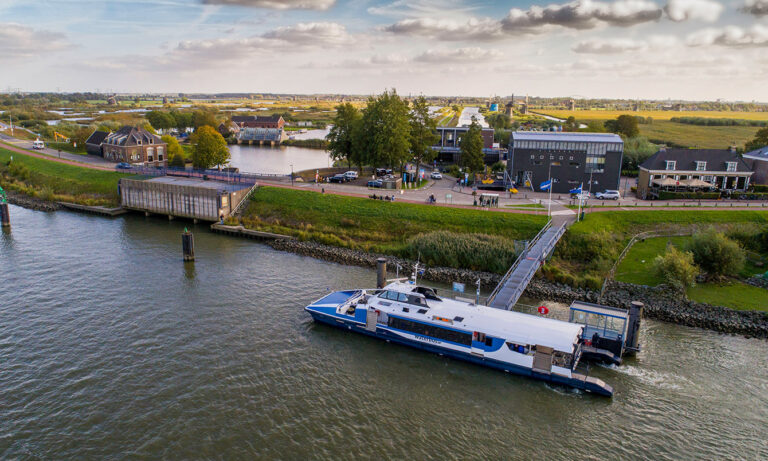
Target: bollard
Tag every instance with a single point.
(381, 272)
(5, 217)
(633, 327)
(188, 245)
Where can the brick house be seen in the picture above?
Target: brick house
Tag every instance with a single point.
(136, 146)
(253, 121)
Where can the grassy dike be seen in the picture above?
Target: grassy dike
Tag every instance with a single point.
(589, 249)
(440, 236)
(57, 182)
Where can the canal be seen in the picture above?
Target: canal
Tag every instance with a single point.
(277, 160)
(110, 347)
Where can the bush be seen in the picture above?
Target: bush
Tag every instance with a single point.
(667, 195)
(498, 167)
(760, 187)
(676, 267)
(455, 171)
(468, 251)
(716, 254)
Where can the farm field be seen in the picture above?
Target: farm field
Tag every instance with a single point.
(588, 115)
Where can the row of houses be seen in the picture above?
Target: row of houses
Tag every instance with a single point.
(594, 160)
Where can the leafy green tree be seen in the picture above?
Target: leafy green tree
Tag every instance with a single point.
(183, 120)
(384, 134)
(595, 127)
(175, 151)
(716, 254)
(471, 146)
(761, 140)
(636, 151)
(499, 121)
(341, 138)
(209, 148)
(571, 124)
(423, 133)
(203, 118)
(161, 120)
(676, 267)
(624, 125)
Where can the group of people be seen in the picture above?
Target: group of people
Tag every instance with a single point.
(487, 201)
(389, 198)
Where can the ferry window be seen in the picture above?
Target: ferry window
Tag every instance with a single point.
(405, 309)
(422, 311)
(488, 341)
(458, 319)
(562, 359)
(402, 297)
(480, 337)
(433, 331)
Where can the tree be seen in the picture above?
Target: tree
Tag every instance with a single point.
(715, 253)
(183, 120)
(595, 127)
(676, 267)
(203, 118)
(384, 134)
(761, 140)
(209, 148)
(624, 125)
(571, 124)
(499, 121)
(423, 133)
(341, 138)
(175, 152)
(471, 146)
(161, 120)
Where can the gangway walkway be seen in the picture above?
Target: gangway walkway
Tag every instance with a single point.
(513, 284)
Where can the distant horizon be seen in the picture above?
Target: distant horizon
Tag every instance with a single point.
(682, 50)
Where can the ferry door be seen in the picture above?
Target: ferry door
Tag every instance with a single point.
(371, 318)
(478, 344)
(542, 360)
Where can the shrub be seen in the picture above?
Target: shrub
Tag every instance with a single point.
(667, 195)
(715, 253)
(676, 267)
(468, 251)
(455, 171)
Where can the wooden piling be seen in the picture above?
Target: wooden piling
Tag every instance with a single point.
(188, 245)
(5, 217)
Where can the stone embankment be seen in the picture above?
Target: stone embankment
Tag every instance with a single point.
(32, 203)
(661, 303)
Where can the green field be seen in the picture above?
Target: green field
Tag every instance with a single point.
(695, 136)
(51, 180)
(637, 265)
(385, 227)
(588, 115)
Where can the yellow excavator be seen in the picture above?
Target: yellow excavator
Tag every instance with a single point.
(57, 135)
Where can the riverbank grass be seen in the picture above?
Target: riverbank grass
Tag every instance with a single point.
(54, 181)
(387, 227)
(739, 296)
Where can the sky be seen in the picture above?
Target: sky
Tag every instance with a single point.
(631, 49)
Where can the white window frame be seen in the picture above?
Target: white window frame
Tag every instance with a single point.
(730, 166)
(701, 166)
(670, 163)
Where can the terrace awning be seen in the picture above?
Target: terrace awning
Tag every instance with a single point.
(695, 183)
(666, 182)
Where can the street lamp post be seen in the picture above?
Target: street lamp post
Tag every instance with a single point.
(291, 174)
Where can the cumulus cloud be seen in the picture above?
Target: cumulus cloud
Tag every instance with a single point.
(756, 7)
(20, 42)
(277, 4)
(731, 36)
(702, 10)
(457, 54)
(582, 14)
(311, 33)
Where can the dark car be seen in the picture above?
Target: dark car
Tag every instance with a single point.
(123, 166)
(339, 178)
(383, 171)
(375, 183)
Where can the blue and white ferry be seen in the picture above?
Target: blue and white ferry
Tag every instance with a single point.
(413, 315)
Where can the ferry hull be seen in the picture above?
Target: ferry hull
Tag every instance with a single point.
(578, 381)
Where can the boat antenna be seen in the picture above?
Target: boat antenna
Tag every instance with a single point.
(416, 268)
(477, 296)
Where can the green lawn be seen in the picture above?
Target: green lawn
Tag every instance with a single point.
(636, 267)
(67, 147)
(83, 185)
(738, 296)
(379, 226)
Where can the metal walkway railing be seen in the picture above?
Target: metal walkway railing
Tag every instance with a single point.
(513, 284)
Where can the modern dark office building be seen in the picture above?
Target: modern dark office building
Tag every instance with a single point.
(570, 159)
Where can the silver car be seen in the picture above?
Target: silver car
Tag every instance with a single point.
(608, 195)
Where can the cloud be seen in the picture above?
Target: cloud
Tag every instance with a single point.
(21, 42)
(702, 10)
(582, 14)
(457, 54)
(277, 4)
(756, 7)
(421, 8)
(312, 33)
(619, 45)
(481, 29)
(731, 36)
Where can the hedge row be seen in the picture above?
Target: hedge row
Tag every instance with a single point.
(668, 195)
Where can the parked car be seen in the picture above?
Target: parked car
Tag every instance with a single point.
(350, 175)
(339, 178)
(375, 183)
(608, 195)
(123, 166)
(436, 175)
(383, 171)
(582, 196)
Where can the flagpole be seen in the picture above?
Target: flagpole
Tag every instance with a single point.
(581, 189)
(549, 204)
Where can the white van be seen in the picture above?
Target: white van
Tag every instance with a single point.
(38, 144)
(350, 175)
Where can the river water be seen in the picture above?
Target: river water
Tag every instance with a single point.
(111, 347)
(277, 160)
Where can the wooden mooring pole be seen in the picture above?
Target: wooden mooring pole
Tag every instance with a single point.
(381, 272)
(5, 217)
(188, 245)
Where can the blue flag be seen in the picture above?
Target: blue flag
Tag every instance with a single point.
(546, 185)
(577, 190)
